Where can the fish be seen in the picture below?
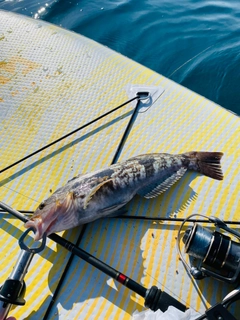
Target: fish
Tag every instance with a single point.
(104, 192)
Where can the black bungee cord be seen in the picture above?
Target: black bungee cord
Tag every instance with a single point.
(154, 297)
(139, 96)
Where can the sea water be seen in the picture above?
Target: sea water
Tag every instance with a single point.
(193, 42)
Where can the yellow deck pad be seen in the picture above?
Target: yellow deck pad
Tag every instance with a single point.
(53, 81)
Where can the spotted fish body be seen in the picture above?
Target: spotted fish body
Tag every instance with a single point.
(88, 197)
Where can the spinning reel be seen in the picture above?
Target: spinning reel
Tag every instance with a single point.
(218, 255)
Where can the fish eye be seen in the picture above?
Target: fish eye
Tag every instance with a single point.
(41, 206)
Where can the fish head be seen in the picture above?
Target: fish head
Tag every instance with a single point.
(52, 215)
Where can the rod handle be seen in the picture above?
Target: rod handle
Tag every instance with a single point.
(157, 299)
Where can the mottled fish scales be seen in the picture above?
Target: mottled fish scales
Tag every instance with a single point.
(91, 196)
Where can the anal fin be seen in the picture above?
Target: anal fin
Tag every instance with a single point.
(154, 189)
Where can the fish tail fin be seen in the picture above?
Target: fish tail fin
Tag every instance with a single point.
(207, 163)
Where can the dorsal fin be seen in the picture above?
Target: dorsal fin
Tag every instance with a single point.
(94, 190)
(155, 189)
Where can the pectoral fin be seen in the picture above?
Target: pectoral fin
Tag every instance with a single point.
(155, 189)
(94, 190)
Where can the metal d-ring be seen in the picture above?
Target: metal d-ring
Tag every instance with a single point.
(144, 95)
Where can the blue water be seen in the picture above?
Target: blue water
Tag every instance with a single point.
(194, 42)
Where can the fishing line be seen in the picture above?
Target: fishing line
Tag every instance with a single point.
(20, 194)
(186, 62)
(30, 212)
(169, 219)
(137, 97)
(198, 54)
(172, 293)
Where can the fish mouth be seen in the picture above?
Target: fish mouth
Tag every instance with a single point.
(37, 226)
(40, 227)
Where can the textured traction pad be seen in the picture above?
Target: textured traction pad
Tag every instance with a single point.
(51, 82)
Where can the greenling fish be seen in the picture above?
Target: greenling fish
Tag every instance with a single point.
(88, 197)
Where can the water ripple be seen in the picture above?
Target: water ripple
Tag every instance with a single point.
(196, 43)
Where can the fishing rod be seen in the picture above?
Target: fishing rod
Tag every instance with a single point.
(154, 297)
